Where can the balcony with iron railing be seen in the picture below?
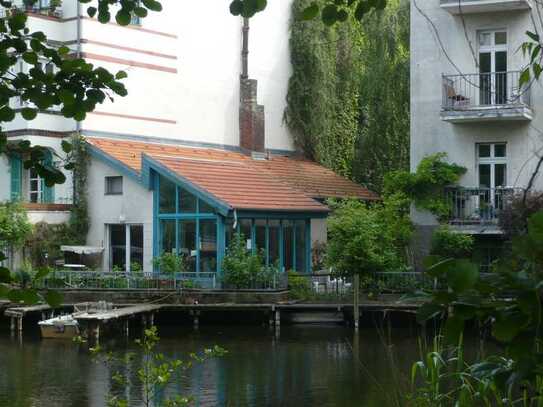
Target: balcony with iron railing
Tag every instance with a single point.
(477, 209)
(493, 96)
(458, 7)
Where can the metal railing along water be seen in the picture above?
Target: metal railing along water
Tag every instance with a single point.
(127, 281)
(484, 90)
(478, 205)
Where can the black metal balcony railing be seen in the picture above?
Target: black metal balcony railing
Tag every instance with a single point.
(482, 90)
(476, 206)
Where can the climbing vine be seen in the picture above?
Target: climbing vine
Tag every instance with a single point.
(78, 156)
(43, 245)
(426, 186)
(348, 96)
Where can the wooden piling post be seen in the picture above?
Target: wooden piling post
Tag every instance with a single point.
(356, 301)
(152, 319)
(12, 324)
(127, 327)
(96, 332)
(20, 324)
(144, 321)
(196, 319)
(277, 318)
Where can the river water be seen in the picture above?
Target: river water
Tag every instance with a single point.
(297, 366)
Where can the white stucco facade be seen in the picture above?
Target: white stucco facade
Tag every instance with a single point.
(133, 207)
(445, 43)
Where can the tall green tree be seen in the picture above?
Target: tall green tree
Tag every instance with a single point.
(384, 95)
(348, 98)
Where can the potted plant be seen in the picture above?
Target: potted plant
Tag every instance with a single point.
(54, 8)
(30, 5)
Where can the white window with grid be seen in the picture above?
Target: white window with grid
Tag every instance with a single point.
(35, 189)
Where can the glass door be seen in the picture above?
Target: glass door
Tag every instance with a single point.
(493, 67)
(492, 171)
(126, 248)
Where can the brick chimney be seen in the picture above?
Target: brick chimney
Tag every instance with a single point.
(251, 114)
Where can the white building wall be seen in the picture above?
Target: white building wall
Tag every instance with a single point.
(183, 70)
(429, 134)
(134, 206)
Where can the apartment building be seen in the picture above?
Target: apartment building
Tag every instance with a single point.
(198, 149)
(466, 101)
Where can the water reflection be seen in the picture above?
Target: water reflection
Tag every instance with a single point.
(300, 366)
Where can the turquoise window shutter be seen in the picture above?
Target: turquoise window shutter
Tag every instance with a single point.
(48, 192)
(16, 165)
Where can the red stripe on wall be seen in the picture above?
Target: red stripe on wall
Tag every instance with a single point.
(121, 61)
(127, 116)
(130, 49)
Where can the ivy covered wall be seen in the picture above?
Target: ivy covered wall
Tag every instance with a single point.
(348, 97)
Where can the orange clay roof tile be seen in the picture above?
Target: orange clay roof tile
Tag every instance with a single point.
(280, 183)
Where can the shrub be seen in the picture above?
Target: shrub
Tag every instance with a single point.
(14, 225)
(136, 267)
(169, 263)
(425, 187)
(244, 269)
(299, 287)
(446, 243)
(364, 239)
(513, 218)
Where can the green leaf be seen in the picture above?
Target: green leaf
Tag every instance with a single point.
(5, 275)
(29, 113)
(309, 13)
(436, 266)
(30, 57)
(533, 36)
(42, 273)
(428, 311)
(30, 296)
(121, 75)
(6, 114)
(91, 11)
(524, 77)
(507, 327)
(329, 14)
(453, 330)
(462, 275)
(54, 299)
(67, 147)
(123, 17)
(535, 228)
(63, 50)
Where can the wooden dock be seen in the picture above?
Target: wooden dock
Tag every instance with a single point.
(92, 321)
(98, 319)
(18, 313)
(296, 312)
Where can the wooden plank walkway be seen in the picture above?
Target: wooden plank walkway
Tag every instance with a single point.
(105, 316)
(22, 311)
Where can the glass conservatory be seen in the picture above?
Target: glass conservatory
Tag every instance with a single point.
(190, 222)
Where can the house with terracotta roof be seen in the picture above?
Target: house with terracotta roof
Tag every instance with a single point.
(193, 154)
(152, 198)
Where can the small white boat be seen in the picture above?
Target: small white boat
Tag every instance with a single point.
(64, 327)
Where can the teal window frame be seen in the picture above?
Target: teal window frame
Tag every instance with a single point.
(178, 216)
(294, 218)
(223, 220)
(16, 177)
